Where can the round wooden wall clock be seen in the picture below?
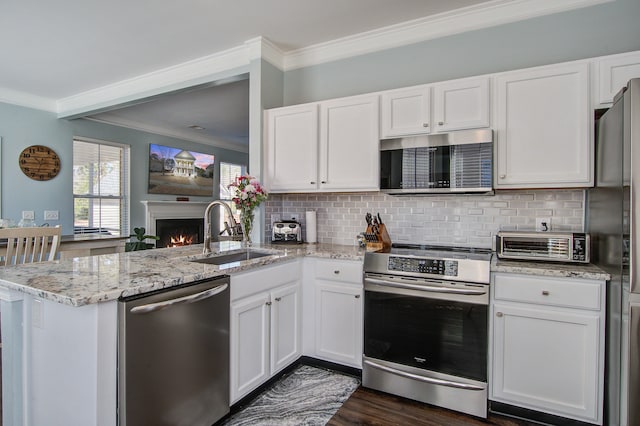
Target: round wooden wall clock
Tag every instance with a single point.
(39, 162)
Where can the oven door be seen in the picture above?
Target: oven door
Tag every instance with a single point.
(427, 324)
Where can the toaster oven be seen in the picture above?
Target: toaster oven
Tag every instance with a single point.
(546, 246)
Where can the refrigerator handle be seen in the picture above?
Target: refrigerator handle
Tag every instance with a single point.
(632, 140)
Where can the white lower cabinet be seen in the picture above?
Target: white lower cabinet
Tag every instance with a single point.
(265, 325)
(338, 311)
(547, 345)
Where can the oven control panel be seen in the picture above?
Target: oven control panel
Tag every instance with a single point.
(423, 266)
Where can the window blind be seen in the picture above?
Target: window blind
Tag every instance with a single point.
(100, 187)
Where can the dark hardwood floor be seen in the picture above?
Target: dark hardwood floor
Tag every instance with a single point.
(369, 407)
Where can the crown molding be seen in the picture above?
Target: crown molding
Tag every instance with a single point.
(203, 70)
(470, 18)
(186, 74)
(218, 143)
(27, 100)
(263, 48)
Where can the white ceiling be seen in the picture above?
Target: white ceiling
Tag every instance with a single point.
(56, 50)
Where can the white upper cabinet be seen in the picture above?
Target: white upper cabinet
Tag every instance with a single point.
(337, 152)
(543, 128)
(406, 112)
(349, 144)
(461, 104)
(614, 72)
(457, 104)
(292, 148)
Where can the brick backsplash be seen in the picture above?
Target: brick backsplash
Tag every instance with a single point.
(460, 220)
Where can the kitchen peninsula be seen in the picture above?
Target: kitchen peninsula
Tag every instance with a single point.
(59, 320)
(59, 323)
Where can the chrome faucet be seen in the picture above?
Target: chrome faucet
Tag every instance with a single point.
(207, 224)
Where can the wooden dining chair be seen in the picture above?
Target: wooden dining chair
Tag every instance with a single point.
(28, 245)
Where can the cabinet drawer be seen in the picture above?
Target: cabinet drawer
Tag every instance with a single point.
(263, 278)
(574, 293)
(335, 270)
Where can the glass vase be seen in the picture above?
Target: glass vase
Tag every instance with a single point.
(246, 222)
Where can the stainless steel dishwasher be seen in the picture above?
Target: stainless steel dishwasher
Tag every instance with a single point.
(173, 356)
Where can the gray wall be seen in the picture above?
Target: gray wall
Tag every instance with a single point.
(589, 32)
(21, 127)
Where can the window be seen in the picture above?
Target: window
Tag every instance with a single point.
(228, 174)
(100, 187)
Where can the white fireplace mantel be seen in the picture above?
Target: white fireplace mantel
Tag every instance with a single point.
(155, 210)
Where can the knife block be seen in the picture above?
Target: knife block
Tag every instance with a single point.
(383, 241)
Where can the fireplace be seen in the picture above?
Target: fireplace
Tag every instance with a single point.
(171, 217)
(179, 232)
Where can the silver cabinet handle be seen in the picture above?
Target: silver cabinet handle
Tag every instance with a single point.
(545, 292)
(422, 378)
(440, 123)
(278, 299)
(152, 307)
(324, 181)
(268, 303)
(499, 314)
(425, 124)
(337, 271)
(357, 296)
(312, 183)
(503, 176)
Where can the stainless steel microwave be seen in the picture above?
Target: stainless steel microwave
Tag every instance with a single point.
(455, 162)
(546, 246)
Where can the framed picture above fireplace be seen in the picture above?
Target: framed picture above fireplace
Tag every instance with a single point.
(180, 172)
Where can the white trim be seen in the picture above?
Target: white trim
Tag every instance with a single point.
(27, 100)
(187, 74)
(9, 295)
(263, 48)
(201, 70)
(155, 210)
(485, 15)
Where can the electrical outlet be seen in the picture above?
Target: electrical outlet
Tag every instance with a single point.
(51, 215)
(543, 224)
(37, 317)
(294, 216)
(28, 214)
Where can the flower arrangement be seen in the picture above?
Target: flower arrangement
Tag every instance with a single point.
(248, 194)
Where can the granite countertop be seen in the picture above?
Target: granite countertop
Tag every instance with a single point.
(92, 279)
(549, 269)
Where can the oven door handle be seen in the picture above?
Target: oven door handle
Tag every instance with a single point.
(433, 289)
(432, 380)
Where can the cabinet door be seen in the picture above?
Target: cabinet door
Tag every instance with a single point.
(349, 144)
(547, 360)
(249, 344)
(461, 104)
(339, 323)
(285, 326)
(614, 73)
(405, 112)
(292, 148)
(543, 131)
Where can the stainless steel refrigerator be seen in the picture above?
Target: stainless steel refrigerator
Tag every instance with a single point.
(613, 221)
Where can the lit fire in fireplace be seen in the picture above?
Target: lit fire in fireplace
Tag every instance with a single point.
(180, 240)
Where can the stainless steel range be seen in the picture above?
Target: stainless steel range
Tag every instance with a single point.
(426, 325)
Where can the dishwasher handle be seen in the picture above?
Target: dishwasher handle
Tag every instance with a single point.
(152, 307)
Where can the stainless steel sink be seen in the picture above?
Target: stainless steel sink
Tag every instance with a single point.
(238, 256)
